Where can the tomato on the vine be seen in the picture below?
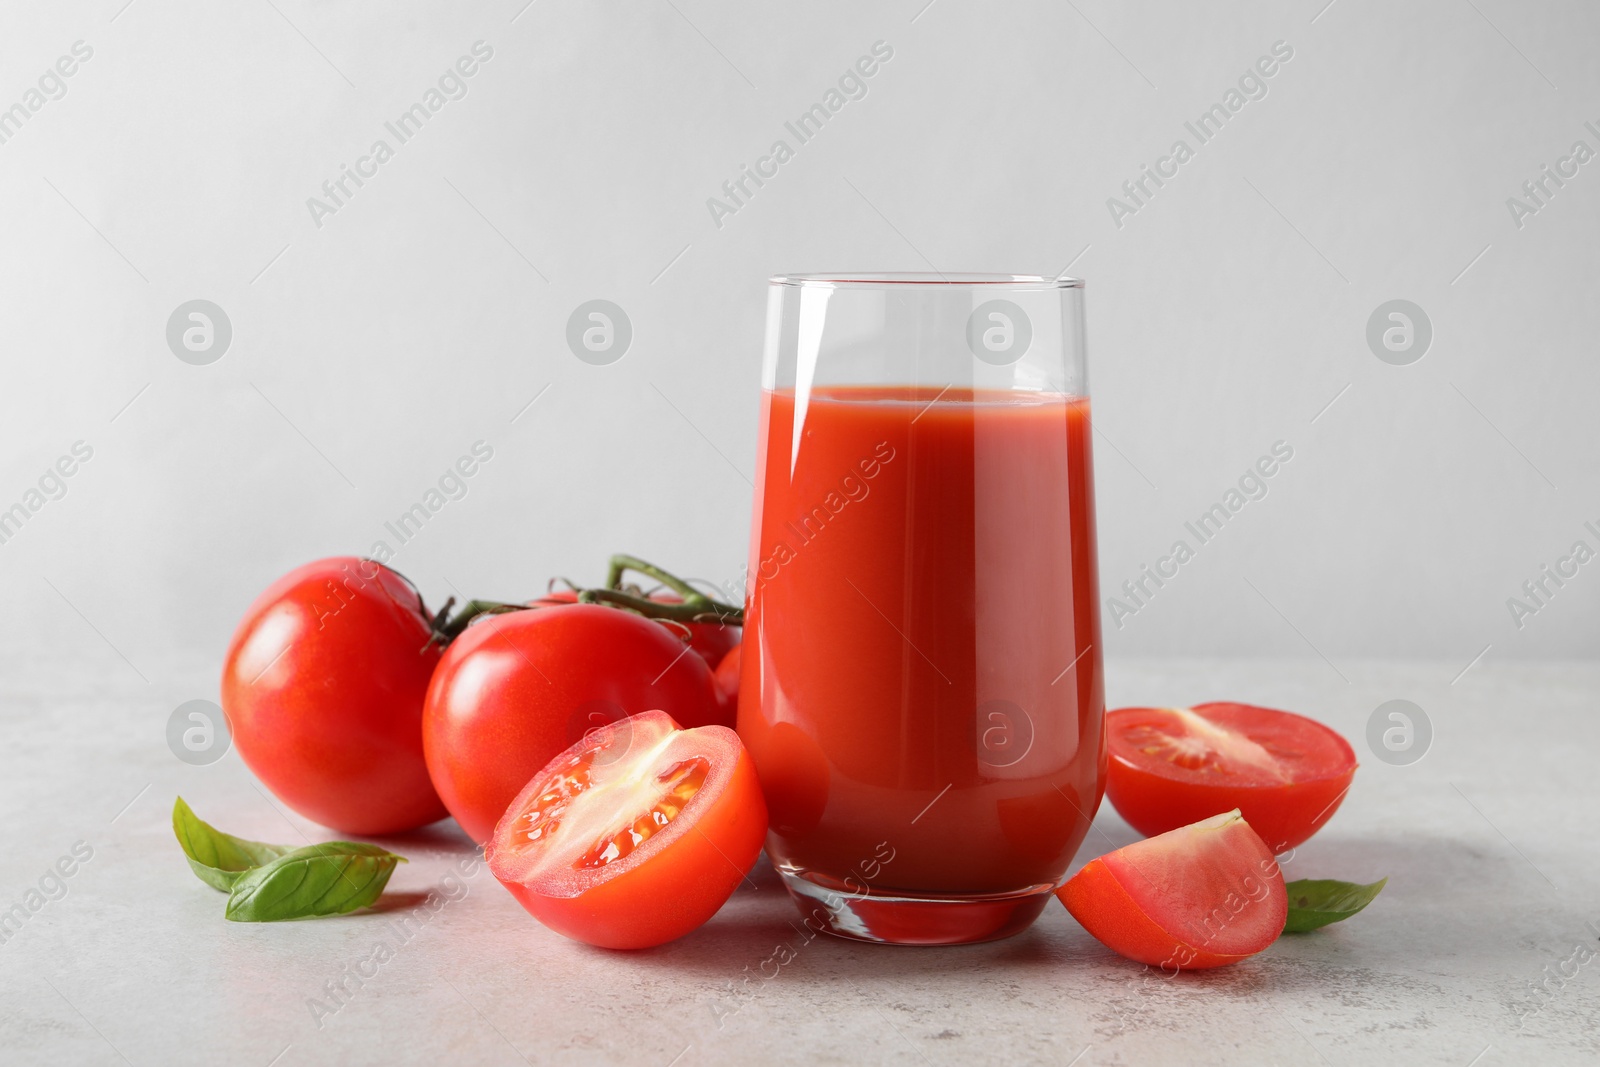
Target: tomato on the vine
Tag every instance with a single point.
(323, 688)
(635, 835)
(1173, 766)
(515, 689)
(713, 639)
(727, 678)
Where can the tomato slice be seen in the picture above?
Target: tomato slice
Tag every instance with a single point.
(1198, 896)
(635, 835)
(1173, 766)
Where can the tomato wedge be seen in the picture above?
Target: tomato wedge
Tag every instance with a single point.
(635, 835)
(1198, 896)
(1173, 766)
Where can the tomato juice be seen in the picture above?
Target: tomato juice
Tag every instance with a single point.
(922, 671)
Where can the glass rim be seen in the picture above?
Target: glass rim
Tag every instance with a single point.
(925, 280)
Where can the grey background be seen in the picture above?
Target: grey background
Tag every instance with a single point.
(430, 311)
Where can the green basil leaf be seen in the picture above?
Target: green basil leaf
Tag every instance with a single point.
(1316, 902)
(218, 859)
(327, 879)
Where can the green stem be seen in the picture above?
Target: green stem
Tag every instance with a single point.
(447, 627)
(696, 607)
(622, 562)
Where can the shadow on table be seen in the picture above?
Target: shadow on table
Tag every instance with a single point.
(1437, 885)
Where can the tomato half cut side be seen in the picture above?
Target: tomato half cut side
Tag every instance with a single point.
(635, 835)
(1170, 767)
(1199, 896)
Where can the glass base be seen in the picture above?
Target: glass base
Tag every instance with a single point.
(889, 917)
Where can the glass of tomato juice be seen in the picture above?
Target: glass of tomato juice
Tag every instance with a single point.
(921, 681)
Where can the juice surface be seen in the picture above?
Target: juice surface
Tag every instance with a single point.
(922, 667)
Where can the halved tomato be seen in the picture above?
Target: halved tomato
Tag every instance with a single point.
(1173, 766)
(635, 835)
(1199, 896)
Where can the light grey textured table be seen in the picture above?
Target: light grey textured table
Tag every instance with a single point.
(1488, 842)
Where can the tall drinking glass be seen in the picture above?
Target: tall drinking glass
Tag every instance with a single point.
(921, 687)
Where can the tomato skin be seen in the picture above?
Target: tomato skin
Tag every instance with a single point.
(713, 640)
(1197, 897)
(515, 690)
(1155, 798)
(649, 906)
(727, 678)
(672, 892)
(323, 686)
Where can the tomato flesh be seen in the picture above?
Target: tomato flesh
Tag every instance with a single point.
(1170, 767)
(1199, 896)
(635, 835)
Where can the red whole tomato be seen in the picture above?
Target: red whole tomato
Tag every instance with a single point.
(712, 639)
(726, 676)
(635, 835)
(1198, 896)
(323, 687)
(1173, 766)
(515, 689)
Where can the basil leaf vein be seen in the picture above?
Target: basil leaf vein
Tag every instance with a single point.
(218, 859)
(1316, 902)
(327, 879)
